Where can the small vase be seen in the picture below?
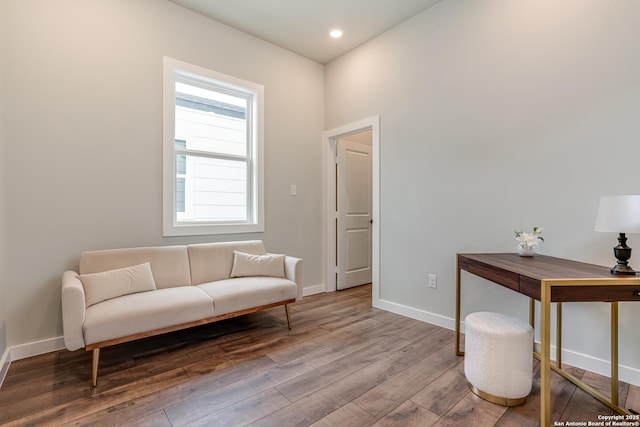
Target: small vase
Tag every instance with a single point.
(526, 250)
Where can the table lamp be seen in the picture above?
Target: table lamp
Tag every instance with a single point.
(620, 214)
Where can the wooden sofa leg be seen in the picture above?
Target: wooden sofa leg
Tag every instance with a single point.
(94, 368)
(286, 310)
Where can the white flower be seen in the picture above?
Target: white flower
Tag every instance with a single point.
(529, 240)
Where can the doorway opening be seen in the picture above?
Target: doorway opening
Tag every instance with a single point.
(352, 205)
(353, 210)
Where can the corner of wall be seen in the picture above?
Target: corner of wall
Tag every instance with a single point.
(4, 352)
(312, 290)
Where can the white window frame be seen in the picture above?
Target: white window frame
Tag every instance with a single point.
(170, 224)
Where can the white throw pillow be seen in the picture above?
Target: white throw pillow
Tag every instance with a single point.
(245, 265)
(116, 283)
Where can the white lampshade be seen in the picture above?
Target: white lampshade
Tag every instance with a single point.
(619, 214)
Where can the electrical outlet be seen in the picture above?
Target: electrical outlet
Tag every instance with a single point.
(433, 281)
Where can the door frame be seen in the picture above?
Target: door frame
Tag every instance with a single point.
(329, 139)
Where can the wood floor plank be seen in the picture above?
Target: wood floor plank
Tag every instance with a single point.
(322, 376)
(348, 415)
(472, 411)
(71, 378)
(633, 399)
(603, 384)
(321, 403)
(157, 419)
(390, 394)
(53, 378)
(418, 331)
(332, 307)
(128, 412)
(245, 411)
(340, 321)
(29, 366)
(409, 414)
(300, 349)
(426, 345)
(443, 393)
(583, 407)
(324, 401)
(254, 382)
(65, 412)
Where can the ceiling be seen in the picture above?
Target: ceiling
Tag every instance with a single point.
(302, 26)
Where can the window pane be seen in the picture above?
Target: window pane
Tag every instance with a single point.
(179, 194)
(181, 160)
(211, 121)
(214, 190)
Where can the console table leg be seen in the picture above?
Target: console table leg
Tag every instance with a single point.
(532, 312)
(545, 364)
(559, 335)
(458, 352)
(532, 320)
(614, 352)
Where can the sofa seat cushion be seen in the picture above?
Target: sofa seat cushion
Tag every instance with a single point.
(147, 311)
(247, 292)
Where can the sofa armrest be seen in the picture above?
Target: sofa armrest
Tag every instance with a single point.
(293, 272)
(73, 310)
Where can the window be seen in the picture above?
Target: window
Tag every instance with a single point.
(212, 154)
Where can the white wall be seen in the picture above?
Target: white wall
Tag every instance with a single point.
(83, 142)
(499, 115)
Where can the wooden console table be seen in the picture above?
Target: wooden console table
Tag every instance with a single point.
(548, 279)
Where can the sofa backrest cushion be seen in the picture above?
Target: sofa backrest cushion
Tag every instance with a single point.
(213, 261)
(169, 264)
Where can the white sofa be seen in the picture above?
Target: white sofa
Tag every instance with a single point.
(115, 299)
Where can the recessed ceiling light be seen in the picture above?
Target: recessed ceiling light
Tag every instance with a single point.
(336, 33)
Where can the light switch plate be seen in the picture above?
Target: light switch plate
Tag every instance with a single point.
(433, 281)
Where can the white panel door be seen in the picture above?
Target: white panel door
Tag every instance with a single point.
(353, 214)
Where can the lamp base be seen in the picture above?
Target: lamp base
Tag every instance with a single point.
(622, 270)
(622, 253)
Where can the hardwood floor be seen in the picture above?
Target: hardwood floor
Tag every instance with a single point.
(343, 364)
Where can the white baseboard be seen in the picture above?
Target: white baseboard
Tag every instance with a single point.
(583, 361)
(413, 313)
(5, 362)
(593, 364)
(312, 290)
(36, 348)
(28, 350)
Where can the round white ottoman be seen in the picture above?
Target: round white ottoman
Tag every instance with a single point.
(498, 357)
